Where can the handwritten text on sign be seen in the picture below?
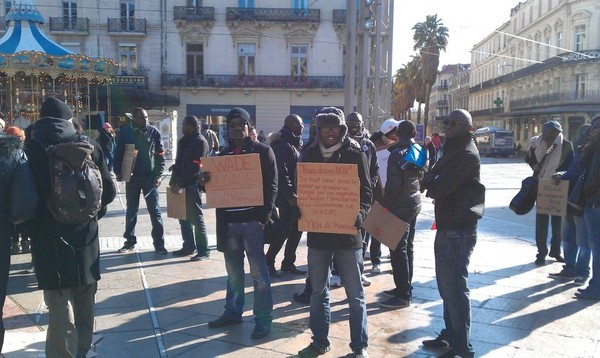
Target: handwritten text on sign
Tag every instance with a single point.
(328, 197)
(235, 181)
(552, 198)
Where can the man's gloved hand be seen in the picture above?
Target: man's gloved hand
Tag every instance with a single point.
(359, 222)
(157, 181)
(203, 178)
(172, 167)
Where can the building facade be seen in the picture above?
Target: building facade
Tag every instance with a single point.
(442, 94)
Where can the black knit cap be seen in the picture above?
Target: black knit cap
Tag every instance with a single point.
(238, 112)
(55, 108)
(407, 129)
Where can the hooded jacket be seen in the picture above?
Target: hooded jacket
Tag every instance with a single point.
(65, 256)
(286, 147)
(348, 153)
(454, 184)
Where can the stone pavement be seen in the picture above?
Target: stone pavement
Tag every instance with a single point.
(151, 305)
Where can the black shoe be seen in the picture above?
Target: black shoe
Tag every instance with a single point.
(259, 331)
(563, 275)
(303, 297)
(200, 257)
(540, 261)
(451, 354)
(587, 295)
(161, 250)
(313, 351)
(395, 302)
(291, 268)
(273, 271)
(182, 252)
(390, 293)
(438, 342)
(222, 322)
(127, 247)
(558, 257)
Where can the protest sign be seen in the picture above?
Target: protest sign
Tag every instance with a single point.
(128, 163)
(552, 198)
(386, 227)
(328, 197)
(176, 207)
(235, 181)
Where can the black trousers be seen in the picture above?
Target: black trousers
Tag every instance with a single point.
(290, 223)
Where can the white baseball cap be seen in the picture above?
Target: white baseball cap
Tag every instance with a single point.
(388, 125)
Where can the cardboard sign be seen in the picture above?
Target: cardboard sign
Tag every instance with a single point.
(128, 163)
(552, 198)
(386, 227)
(328, 197)
(176, 207)
(235, 181)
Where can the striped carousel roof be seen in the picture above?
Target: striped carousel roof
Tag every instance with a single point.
(23, 33)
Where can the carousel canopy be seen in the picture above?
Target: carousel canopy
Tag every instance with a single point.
(23, 33)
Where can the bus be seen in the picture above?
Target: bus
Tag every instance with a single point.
(493, 141)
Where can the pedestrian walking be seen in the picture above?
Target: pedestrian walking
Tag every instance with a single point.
(145, 177)
(190, 149)
(107, 141)
(459, 196)
(212, 139)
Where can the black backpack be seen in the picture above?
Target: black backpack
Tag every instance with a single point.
(75, 182)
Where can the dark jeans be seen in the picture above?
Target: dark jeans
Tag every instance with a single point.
(402, 263)
(374, 249)
(541, 235)
(290, 224)
(193, 230)
(108, 155)
(453, 249)
(4, 270)
(145, 185)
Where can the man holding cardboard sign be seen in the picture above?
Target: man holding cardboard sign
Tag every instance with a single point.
(339, 236)
(240, 228)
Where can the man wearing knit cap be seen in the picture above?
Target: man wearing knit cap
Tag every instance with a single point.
(240, 232)
(558, 160)
(145, 178)
(66, 257)
(459, 196)
(332, 145)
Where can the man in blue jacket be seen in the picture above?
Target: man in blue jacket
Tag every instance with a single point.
(145, 178)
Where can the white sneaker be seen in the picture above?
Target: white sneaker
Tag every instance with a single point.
(365, 281)
(376, 268)
(335, 281)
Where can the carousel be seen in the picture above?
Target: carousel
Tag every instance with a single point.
(33, 67)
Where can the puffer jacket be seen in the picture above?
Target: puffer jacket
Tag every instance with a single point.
(401, 194)
(65, 256)
(349, 153)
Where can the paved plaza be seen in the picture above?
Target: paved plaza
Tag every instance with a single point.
(151, 305)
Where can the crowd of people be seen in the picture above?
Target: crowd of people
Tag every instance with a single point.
(66, 255)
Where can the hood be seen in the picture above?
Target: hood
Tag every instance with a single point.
(287, 135)
(50, 130)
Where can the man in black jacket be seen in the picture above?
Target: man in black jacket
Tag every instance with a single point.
(191, 147)
(286, 145)
(66, 257)
(459, 196)
(240, 231)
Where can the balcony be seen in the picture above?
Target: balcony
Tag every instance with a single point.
(69, 25)
(127, 26)
(556, 99)
(339, 17)
(242, 14)
(130, 81)
(442, 103)
(194, 14)
(442, 87)
(235, 81)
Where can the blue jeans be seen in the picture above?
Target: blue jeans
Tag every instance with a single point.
(453, 249)
(319, 266)
(144, 184)
(591, 217)
(248, 237)
(194, 238)
(575, 246)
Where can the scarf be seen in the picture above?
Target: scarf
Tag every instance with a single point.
(553, 160)
(328, 152)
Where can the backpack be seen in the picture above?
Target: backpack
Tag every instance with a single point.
(416, 155)
(75, 182)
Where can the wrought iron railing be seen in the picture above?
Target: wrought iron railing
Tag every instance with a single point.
(71, 24)
(442, 103)
(130, 81)
(273, 14)
(339, 17)
(183, 80)
(556, 99)
(194, 13)
(127, 25)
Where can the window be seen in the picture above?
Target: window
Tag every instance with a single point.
(246, 3)
(127, 15)
(128, 56)
(70, 15)
(246, 54)
(299, 54)
(558, 42)
(195, 60)
(547, 48)
(299, 4)
(580, 86)
(7, 4)
(579, 38)
(194, 3)
(538, 51)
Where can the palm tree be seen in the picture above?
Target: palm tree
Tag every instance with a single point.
(430, 38)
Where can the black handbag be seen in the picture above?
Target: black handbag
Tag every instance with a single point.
(576, 197)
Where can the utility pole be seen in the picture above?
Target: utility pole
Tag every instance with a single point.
(350, 57)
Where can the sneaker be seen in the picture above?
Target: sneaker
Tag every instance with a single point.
(438, 342)
(365, 281)
(395, 302)
(127, 247)
(222, 322)
(360, 353)
(200, 257)
(580, 280)
(260, 330)
(313, 351)
(291, 268)
(182, 252)
(376, 269)
(390, 293)
(161, 250)
(562, 275)
(335, 281)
